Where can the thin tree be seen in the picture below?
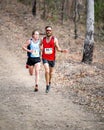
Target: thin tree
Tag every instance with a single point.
(62, 11)
(34, 8)
(44, 11)
(89, 39)
(75, 18)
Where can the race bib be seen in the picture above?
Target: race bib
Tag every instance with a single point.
(48, 50)
(35, 53)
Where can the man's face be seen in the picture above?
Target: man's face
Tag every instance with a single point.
(49, 32)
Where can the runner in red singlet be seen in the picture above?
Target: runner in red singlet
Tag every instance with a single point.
(49, 45)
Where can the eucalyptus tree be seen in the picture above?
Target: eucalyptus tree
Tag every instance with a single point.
(89, 38)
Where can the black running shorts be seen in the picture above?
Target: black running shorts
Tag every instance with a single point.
(32, 61)
(51, 63)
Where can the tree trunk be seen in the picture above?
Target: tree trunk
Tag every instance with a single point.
(44, 12)
(62, 10)
(75, 19)
(89, 40)
(68, 8)
(34, 8)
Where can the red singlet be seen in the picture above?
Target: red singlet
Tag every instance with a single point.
(48, 49)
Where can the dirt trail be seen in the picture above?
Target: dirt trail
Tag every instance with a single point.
(22, 109)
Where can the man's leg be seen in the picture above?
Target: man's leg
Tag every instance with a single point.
(46, 67)
(51, 69)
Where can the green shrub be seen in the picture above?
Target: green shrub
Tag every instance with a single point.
(99, 10)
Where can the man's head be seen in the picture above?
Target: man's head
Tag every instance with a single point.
(48, 30)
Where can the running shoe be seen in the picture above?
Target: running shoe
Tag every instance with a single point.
(47, 88)
(36, 88)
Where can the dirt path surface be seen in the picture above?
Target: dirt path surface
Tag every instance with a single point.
(22, 109)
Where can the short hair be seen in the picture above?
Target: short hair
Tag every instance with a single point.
(48, 27)
(33, 32)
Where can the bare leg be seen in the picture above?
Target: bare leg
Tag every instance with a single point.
(37, 68)
(31, 69)
(46, 66)
(51, 69)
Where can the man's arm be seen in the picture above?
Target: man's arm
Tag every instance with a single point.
(58, 47)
